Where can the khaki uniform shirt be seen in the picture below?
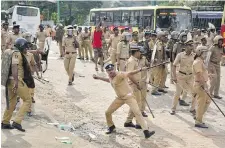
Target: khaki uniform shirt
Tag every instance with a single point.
(12, 38)
(120, 85)
(68, 44)
(106, 35)
(184, 62)
(85, 36)
(114, 41)
(133, 64)
(198, 66)
(216, 54)
(123, 50)
(198, 38)
(151, 44)
(210, 39)
(41, 36)
(18, 59)
(160, 52)
(140, 36)
(4, 37)
(30, 60)
(144, 63)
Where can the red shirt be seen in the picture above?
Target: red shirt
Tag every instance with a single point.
(97, 39)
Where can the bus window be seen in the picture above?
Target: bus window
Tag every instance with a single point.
(109, 16)
(125, 18)
(134, 18)
(173, 19)
(117, 18)
(25, 11)
(92, 17)
(147, 18)
(102, 15)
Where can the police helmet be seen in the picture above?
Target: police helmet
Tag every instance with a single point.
(161, 34)
(174, 35)
(41, 26)
(21, 43)
(200, 49)
(16, 26)
(216, 39)
(182, 35)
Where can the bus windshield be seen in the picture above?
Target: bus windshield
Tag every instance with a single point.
(173, 19)
(26, 11)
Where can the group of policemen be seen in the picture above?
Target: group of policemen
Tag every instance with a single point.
(20, 57)
(136, 60)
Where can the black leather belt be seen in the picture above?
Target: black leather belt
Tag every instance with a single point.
(71, 52)
(214, 62)
(123, 59)
(184, 73)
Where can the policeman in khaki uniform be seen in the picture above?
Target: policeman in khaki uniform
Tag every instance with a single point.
(200, 85)
(125, 95)
(123, 53)
(17, 87)
(4, 35)
(81, 44)
(87, 43)
(143, 83)
(70, 51)
(134, 82)
(114, 40)
(214, 59)
(184, 77)
(41, 36)
(159, 57)
(13, 36)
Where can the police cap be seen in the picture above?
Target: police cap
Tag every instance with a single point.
(147, 33)
(135, 33)
(69, 27)
(189, 42)
(16, 26)
(109, 66)
(5, 23)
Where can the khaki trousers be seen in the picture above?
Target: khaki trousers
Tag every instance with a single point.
(132, 103)
(158, 74)
(113, 56)
(3, 48)
(41, 46)
(23, 93)
(223, 60)
(69, 64)
(88, 48)
(214, 70)
(164, 76)
(184, 84)
(60, 48)
(143, 95)
(31, 91)
(137, 96)
(203, 102)
(122, 66)
(81, 49)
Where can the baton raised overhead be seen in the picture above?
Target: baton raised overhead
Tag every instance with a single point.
(163, 63)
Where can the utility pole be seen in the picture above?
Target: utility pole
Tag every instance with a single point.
(58, 11)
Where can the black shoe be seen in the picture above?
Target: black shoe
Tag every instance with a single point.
(138, 126)
(73, 78)
(82, 58)
(193, 112)
(162, 90)
(18, 127)
(156, 93)
(29, 114)
(87, 58)
(111, 129)
(217, 97)
(79, 58)
(130, 124)
(201, 125)
(33, 101)
(144, 114)
(70, 83)
(148, 134)
(166, 87)
(7, 126)
(172, 113)
(183, 103)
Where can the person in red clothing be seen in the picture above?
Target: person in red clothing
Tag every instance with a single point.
(97, 46)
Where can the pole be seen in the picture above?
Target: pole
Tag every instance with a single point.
(213, 101)
(58, 11)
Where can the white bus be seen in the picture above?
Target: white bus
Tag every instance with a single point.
(28, 17)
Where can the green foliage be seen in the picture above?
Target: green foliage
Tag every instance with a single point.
(54, 17)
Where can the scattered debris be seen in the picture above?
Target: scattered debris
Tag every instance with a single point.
(66, 142)
(53, 124)
(92, 136)
(62, 138)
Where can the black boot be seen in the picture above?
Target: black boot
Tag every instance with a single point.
(130, 124)
(148, 134)
(138, 126)
(6, 126)
(144, 114)
(111, 129)
(183, 103)
(18, 127)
